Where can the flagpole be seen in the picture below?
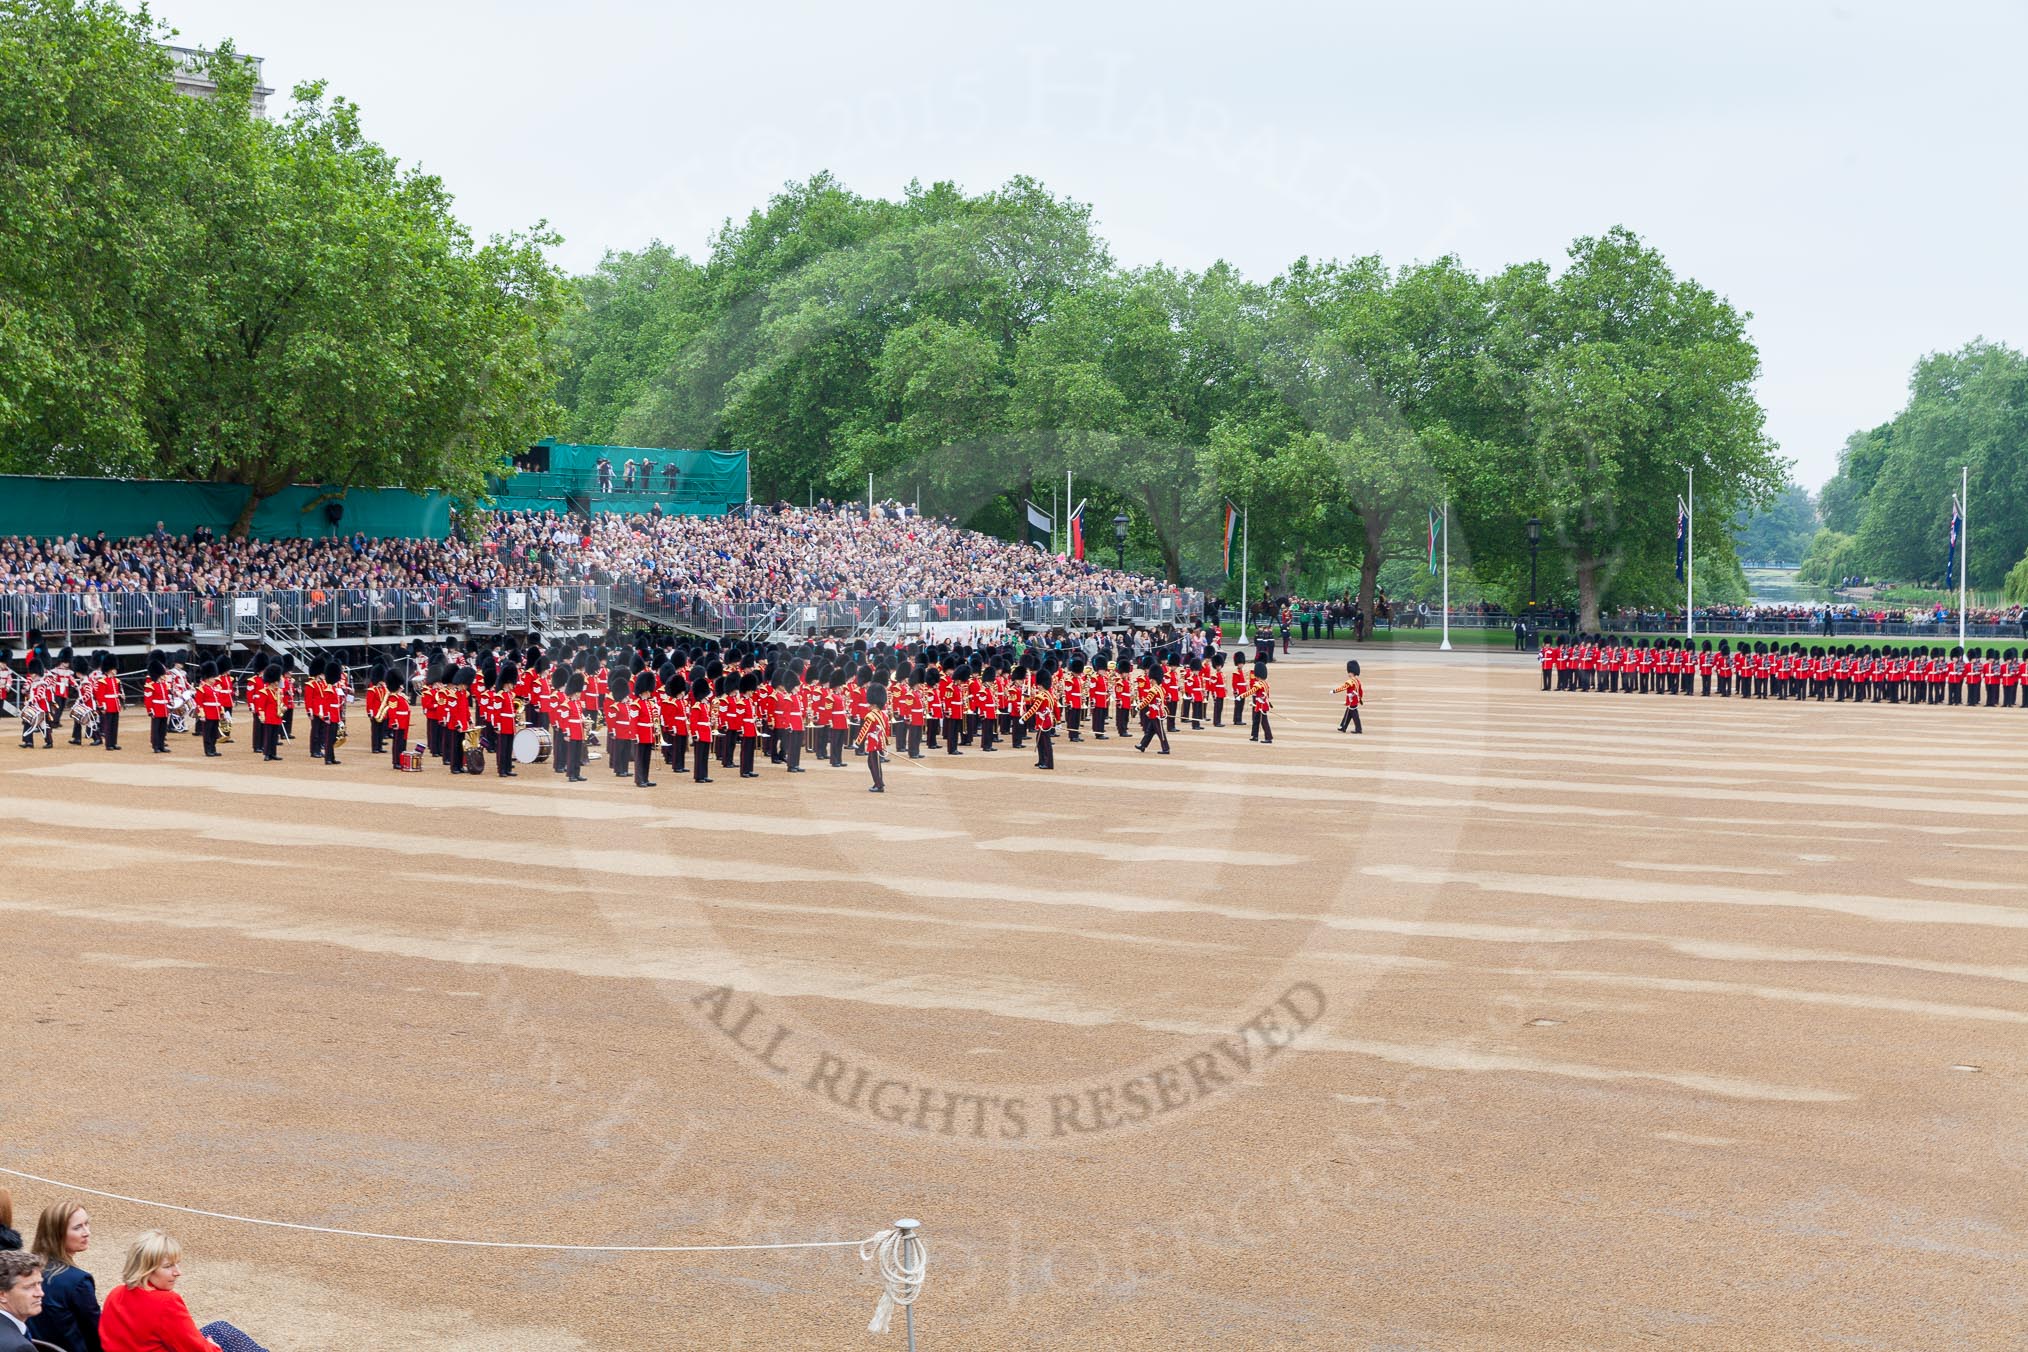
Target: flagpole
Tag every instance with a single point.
(1690, 559)
(1964, 544)
(1445, 646)
(1067, 500)
(1245, 520)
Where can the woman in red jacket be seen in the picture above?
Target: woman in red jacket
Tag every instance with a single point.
(144, 1313)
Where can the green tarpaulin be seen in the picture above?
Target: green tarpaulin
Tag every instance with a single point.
(37, 506)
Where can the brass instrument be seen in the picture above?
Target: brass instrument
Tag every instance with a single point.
(225, 725)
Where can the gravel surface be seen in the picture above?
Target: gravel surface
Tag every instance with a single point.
(1524, 1020)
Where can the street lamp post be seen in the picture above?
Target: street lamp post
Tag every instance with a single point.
(1120, 540)
(1534, 547)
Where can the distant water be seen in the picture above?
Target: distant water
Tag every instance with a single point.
(1780, 585)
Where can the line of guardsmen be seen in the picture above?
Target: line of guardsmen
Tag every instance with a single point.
(1894, 674)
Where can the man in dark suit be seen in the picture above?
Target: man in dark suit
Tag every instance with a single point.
(20, 1298)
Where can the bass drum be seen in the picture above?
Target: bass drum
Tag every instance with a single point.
(531, 746)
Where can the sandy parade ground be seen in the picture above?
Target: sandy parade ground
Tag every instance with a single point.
(1524, 1020)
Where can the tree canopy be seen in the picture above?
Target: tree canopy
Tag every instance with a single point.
(1966, 410)
(193, 291)
(975, 348)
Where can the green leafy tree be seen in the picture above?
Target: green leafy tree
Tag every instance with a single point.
(207, 294)
(1843, 499)
(1633, 375)
(89, 139)
(1966, 409)
(1779, 532)
(1130, 379)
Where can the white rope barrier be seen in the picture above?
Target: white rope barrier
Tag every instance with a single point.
(903, 1259)
(902, 1256)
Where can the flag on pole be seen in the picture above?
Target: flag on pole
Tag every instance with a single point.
(1077, 533)
(1041, 528)
(1682, 535)
(1436, 530)
(1231, 529)
(1951, 545)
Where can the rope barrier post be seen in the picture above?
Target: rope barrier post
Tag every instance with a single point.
(906, 1229)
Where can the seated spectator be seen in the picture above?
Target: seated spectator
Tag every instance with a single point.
(20, 1298)
(70, 1299)
(144, 1313)
(10, 1238)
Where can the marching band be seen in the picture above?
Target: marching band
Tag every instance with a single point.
(732, 702)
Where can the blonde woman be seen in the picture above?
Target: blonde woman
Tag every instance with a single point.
(70, 1299)
(144, 1313)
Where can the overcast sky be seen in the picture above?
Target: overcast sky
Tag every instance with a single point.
(1853, 174)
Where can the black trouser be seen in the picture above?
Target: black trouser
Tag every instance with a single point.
(676, 753)
(109, 729)
(1019, 732)
(289, 724)
(270, 740)
(1239, 711)
(1045, 754)
(207, 731)
(643, 758)
(454, 750)
(700, 768)
(987, 730)
(951, 734)
(623, 755)
(915, 741)
(1152, 729)
(1707, 682)
(398, 745)
(1350, 719)
(319, 730)
(873, 764)
(1171, 706)
(792, 749)
(378, 731)
(1262, 729)
(158, 733)
(1218, 709)
(747, 743)
(503, 756)
(1197, 713)
(573, 757)
(1120, 718)
(330, 743)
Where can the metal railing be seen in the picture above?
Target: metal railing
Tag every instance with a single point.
(313, 614)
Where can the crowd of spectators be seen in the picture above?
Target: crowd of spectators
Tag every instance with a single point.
(775, 556)
(795, 556)
(204, 564)
(47, 1295)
